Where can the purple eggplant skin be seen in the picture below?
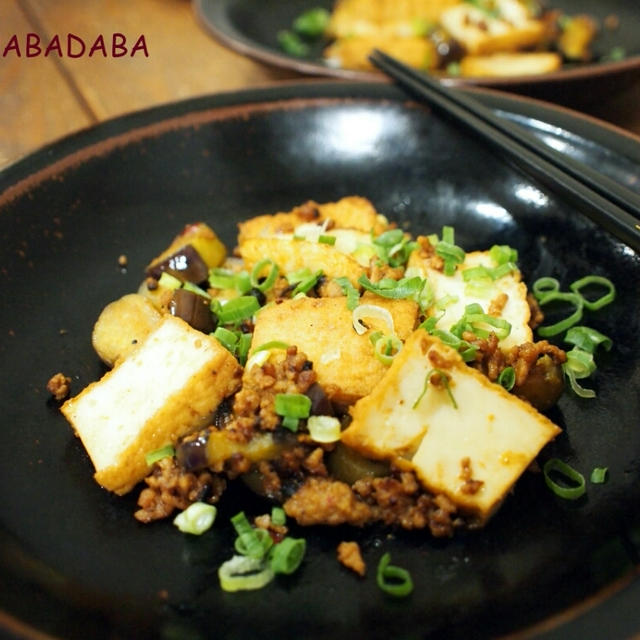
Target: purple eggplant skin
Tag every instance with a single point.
(194, 309)
(185, 264)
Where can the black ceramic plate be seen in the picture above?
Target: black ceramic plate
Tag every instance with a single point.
(251, 27)
(73, 561)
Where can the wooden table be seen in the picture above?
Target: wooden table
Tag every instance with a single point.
(43, 98)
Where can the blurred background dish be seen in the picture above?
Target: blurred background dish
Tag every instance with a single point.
(73, 561)
(252, 28)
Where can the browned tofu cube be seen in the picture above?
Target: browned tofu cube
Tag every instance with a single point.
(323, 329)
(167, 387)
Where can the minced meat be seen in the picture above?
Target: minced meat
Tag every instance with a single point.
(169, 488)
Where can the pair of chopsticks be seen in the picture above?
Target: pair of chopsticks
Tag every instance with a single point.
(605, 201)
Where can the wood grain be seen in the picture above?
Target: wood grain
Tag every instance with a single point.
(36, 102)
(183, 59)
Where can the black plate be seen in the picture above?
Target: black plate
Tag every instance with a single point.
(73, 561)
(251, 27)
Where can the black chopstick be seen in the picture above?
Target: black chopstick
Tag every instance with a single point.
(606, 202)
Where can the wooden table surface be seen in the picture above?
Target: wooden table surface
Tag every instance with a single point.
(44, 98)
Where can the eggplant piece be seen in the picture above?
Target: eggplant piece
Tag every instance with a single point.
(320, 403)
(193, 309)
(544, 384)
(197, 239)
(347, 465)
(185, 264)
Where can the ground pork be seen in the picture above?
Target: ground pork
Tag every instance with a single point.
(349, 555)
(59, 386)
(169, 488)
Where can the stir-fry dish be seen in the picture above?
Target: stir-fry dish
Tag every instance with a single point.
(470, 38)
(342, 368)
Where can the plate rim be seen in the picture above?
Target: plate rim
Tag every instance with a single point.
(230, 102)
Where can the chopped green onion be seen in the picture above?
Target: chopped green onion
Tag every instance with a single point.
(452, 254)
(394, 289)
(194, 288)
(370, 311)
(312, 23)
(291, 43)
(224, 279)
(507, 378)
(228, 339)
(278, 516)
(573, 298)
(599, 475)
(292, 405)
(272, 344)
(243, 573)
(251, 542)
(393, 580)
(167, 281)
(196, 518)
(271, 277)
(463, 347)
(474, 320)
(158, 454)
(255, 544)
(242, 348)
(353, 296)
(579, 390)
(238, 309)
(587, 339)
(291, 423)
(324, 428)
(542, 286)
(386, 348)
(556, 466)
(580, 362)
(503, 254)
(287, 555)
(606, 298)
(308, 283)
(325, 239)
(444, 378)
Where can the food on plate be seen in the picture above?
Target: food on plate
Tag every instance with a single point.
(470, 38)
(337, 365)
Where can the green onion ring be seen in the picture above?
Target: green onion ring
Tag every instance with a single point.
(242, 573)
(386, 348)
(542, 286)
(287, 555)
(580, 391)
(603, 300)
(393, 580)
(507, 378)
(553, 329)
(271, 276)
(567, 493)
(245, 544)
(196, 518)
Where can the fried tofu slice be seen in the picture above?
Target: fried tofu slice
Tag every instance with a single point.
(351, 212)
(323, 329)
(463, 435)
(352, 18)
(167, 387)
(122, 325)
(507, 26)
(504, 298)
(292, 255)
(510, 64)
(353, 53)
